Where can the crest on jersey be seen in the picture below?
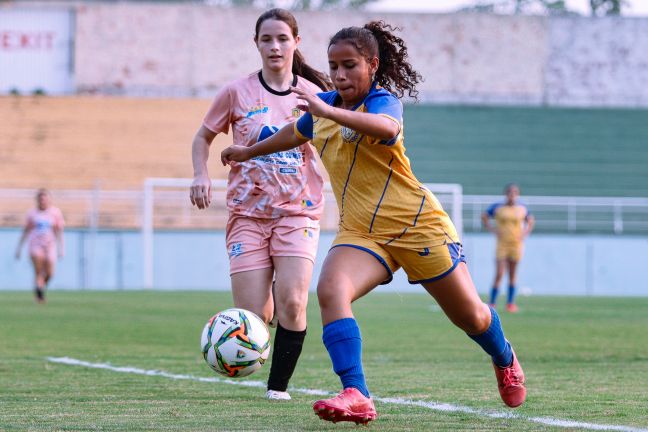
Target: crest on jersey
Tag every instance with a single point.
(296, 112)
(349, 135)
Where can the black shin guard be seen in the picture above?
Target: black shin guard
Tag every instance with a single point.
(287, 349)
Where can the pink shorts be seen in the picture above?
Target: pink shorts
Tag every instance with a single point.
(43, 250)
(252, 242)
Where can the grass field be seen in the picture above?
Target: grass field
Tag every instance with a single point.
(586, 360)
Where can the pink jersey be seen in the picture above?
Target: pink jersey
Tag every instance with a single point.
(43, 223)
(286, 183)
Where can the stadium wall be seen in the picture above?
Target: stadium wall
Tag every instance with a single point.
(553, 264)
(191, 50)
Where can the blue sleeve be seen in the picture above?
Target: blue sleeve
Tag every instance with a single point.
(387, 104)
(490, 211)
(304, 126)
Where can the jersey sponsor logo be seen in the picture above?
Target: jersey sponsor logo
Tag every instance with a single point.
(288, 170)
(258, 109)
(43, 225)
(237, 201)
(426, 252)
(236, 250)
(349, 135)
(292, 158)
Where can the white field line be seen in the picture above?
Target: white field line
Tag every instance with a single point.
(435, 406)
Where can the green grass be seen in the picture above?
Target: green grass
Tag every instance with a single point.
(586, 359)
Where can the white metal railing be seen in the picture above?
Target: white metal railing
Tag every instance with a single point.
(100, 209)
(616, 215)
(173, 190)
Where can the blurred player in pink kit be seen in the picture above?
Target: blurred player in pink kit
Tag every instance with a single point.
(274, 201)
(44, 228)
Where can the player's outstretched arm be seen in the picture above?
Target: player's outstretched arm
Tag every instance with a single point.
(285, 139)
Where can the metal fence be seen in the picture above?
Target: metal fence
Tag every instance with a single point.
(558, 214)
(124, 209)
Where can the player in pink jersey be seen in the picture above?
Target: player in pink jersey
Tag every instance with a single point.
(44, 228)
(274, 201)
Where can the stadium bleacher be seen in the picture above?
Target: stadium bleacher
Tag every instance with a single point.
(548, 151)
(112, 144)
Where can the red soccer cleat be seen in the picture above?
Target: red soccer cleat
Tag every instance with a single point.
(350, 405)
(510, 381)
(512, 307)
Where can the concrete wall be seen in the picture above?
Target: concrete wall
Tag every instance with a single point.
(553, 264)
(469, 58)
(144, 49)
(185, 49)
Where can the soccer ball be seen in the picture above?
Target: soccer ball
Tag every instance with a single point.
(235, 342)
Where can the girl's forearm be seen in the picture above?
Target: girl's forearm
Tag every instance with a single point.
(374, 125)
(199, 155)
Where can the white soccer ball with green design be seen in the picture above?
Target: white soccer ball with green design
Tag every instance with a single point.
(235, 343)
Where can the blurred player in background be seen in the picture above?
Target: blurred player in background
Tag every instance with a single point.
(44, 228)
(513, 223)
(388, 219)
(275, 201)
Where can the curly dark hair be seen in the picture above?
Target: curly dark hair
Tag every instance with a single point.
(376, 39)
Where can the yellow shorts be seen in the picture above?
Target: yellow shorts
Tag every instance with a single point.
(420, 265)
(509, 251)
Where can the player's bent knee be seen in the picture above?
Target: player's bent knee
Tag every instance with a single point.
(327, 295)
(291, 310)
(476, 322)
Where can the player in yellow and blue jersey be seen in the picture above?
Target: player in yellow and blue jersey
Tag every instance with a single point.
(388, 219)
(513, 223)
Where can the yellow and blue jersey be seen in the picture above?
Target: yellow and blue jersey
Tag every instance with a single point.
(510, 220)
(376, 191)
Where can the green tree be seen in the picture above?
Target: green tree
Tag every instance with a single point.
(297, 4)
(607, 7)
(520, 7)
(550, 7)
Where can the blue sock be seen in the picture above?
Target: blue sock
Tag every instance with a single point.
(344, 345)
(511, 294)
(494, 342)
(493, 296)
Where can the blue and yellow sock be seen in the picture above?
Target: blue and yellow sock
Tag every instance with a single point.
(494, 342)
(344, 344)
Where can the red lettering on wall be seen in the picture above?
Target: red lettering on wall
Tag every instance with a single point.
(23, 40)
